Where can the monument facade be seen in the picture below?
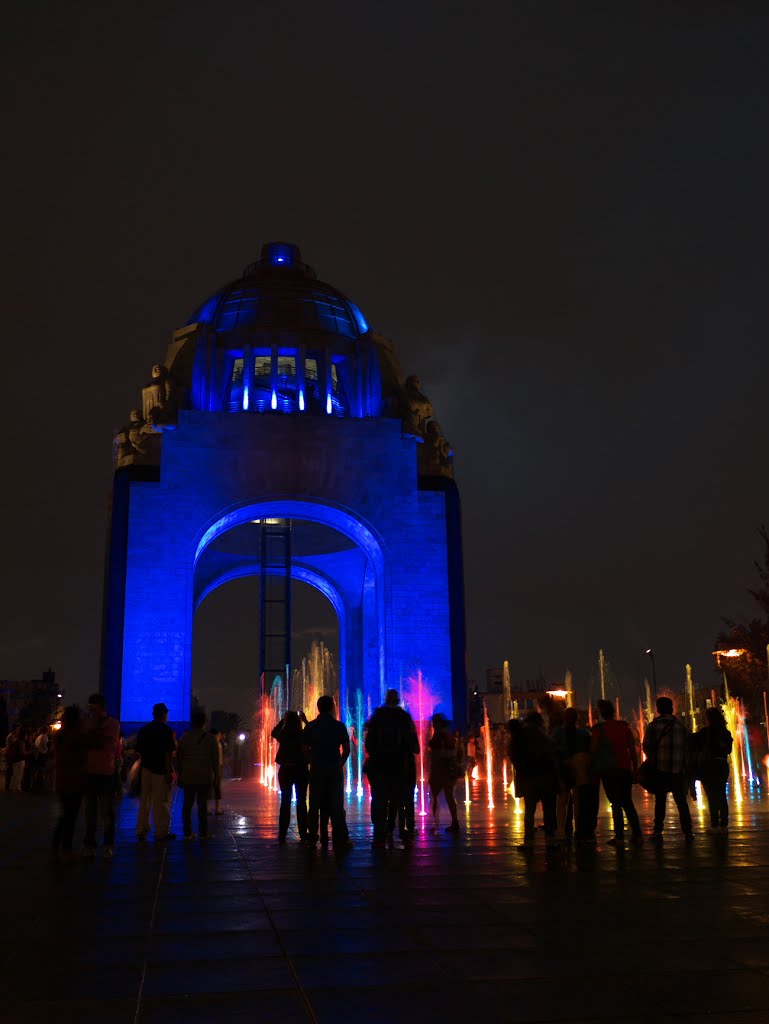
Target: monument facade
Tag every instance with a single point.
(278, 404)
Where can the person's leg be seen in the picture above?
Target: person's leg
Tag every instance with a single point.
(145, 802)
(70, 808)
(451, 803)
(161, 805)
(201, 797)
(710, 785)
(679, 795)
(285, 781)
(625, 790)
(314, 811)
(611, 787)
(107, 807)
(561, 806)
(723, 803)
(58, 829)
(548, 796)
(189, 799)
(660, 802)
(300, 784)
(17, 775)
(379, 808)
(529, 810)
(335, 791)
(90, 797)
(409, 823)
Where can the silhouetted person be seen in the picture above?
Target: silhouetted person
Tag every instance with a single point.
(102, 740)
(576, 780)
(391, 742)
(666, 744)
(69, 769)
(197, 765)
(155, 744)
(711, 747)
(532, 753)
(293, 774)
(327, 746)
(443, 769)
(614, 752)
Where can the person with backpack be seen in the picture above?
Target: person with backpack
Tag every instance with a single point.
(391, 743)
(197, 764)
(666, 744)
(615, 761)
(711, 747)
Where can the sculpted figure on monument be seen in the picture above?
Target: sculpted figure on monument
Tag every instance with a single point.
(135, 425)
(159, 399)
(417, 407)
(435, 454)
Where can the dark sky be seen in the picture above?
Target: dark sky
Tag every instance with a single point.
(557, 211)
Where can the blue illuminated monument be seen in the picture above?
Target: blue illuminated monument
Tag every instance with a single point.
(280, 438)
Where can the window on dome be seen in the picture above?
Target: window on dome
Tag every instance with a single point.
(263, 368)
(287, 367)
(235, 400)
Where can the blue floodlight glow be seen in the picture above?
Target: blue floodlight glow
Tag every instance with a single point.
(274, 400)
(328, 403)
(245, 399)
(279, 254)
(301, 400)
(360, 319)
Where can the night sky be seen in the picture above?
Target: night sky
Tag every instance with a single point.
(557, 211)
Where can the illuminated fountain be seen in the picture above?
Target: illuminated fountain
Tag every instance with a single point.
(489, 751)
(421, 703)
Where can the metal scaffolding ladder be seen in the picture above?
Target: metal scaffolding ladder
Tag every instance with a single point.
(275, 607)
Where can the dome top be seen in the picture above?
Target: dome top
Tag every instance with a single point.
(281, 293)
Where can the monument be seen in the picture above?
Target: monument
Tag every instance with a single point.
(280, 438)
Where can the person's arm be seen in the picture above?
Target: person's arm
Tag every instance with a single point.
(277, 732)
(345, 745)
(650, 739)
(631, 749)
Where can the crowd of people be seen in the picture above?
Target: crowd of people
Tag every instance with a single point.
(557, 764)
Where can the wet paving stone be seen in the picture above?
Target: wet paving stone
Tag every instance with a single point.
(459, 927)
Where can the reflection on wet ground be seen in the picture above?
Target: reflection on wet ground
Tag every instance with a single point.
(458, 927)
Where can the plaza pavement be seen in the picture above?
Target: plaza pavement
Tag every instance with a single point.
(461, 928)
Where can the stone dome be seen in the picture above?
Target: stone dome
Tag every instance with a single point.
(281, 294)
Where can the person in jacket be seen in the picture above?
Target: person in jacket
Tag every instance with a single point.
(102, 741)
(197, 765)
(614, 755)
(156, 744)
(711, 747)
(391, 743)
(293, 774)
(533, 756)
(326, 746)
(443, 770)
(666, 744)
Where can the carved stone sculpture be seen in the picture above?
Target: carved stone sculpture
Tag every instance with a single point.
(159, 400)
(417, 407)
(435, 454)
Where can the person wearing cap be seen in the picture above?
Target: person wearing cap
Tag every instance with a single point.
(155, 744)
(101, 741)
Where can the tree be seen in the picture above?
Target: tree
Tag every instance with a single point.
(747, 673)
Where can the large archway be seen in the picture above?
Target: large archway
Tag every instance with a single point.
(277, 401)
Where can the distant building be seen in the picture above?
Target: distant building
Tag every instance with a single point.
(524, 696)
(31, 701)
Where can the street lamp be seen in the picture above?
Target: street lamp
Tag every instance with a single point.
(650, 652)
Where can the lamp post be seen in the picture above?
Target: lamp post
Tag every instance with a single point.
(650, 652)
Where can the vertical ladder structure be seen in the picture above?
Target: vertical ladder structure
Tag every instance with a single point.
(275, 606)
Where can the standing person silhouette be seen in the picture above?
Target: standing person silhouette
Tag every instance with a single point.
(666, 744)
(292, 773)
(326, 746)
